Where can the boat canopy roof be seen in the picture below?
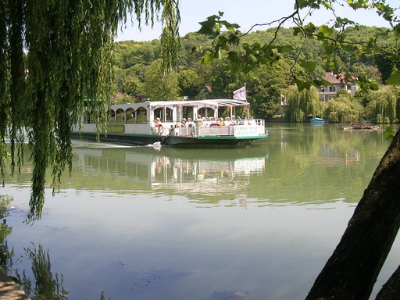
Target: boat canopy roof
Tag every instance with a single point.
(201, 103)
(197, 103)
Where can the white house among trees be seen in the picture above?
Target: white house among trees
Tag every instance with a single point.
(337, 82)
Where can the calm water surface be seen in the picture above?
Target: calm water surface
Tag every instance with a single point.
(249, 223)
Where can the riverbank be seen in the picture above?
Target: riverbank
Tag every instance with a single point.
(9, 290)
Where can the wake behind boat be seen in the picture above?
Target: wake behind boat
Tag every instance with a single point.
(194, 122)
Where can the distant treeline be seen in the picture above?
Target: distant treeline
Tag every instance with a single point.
(138, 72)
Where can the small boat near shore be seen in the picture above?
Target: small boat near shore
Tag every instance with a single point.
(196, 122)
(318, 120)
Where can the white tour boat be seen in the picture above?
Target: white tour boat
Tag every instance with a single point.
(195, 122)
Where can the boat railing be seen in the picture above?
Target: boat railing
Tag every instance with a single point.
(254, 127)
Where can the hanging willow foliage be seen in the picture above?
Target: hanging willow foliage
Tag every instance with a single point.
(302, 104)
(53, 55)
(382, 105)
(344, 109)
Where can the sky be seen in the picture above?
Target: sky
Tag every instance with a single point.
(247, 13)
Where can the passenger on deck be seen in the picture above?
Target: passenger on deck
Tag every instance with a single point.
(207, 122)
(252, 121)
(190, 127)
(158, 127)
(199, 122)
(221, 122)
(189, 122)
(157, 122)
(228, 121)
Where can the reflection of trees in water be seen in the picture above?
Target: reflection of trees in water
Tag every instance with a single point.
(47, 286)
(5, 230)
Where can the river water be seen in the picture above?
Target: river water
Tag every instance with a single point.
(249, 223)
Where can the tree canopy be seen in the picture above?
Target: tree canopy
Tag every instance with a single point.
(336, 43)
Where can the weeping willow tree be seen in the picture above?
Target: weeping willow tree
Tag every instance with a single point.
(302, 104)
(382, 105)
(53, 55)
(344, 108)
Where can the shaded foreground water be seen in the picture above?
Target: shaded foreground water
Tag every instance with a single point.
(249, 223)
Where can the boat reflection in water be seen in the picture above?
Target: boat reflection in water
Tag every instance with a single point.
(206, 175)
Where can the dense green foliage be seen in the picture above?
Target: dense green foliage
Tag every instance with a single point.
(133, 58)
(265, 84)
(301, 104)
(383, 105)
(344, 109)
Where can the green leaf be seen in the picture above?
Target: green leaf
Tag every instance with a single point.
(394, 79)
(358, 3)
(307, 3)
(384, 10)
(230, 26)
(285, 48)
(310, 28)
(309, 65)
(322, 82)
(326, 31)
(302, 3)
(326, 4)
(396, 30)
(207, 58)
(374, 86)
(252, 58)
(296, 31)
(389, 133)
(329, 48)
(301, 85)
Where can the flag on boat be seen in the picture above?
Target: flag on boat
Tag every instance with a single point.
(240, 94)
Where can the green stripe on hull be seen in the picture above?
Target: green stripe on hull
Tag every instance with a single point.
(232, 137)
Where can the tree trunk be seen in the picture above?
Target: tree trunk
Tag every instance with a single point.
(391, 289)
(351, 271)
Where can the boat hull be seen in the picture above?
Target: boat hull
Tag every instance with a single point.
(142, 140)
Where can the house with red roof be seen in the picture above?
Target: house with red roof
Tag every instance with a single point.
(336, 82)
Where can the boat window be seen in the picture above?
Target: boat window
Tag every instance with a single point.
(158, 113)
(120, 115)
(187, 112)
(141, 114)
(111, 116)
(223, 111)
(169, 115)
(130, 115)
(206, 112)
